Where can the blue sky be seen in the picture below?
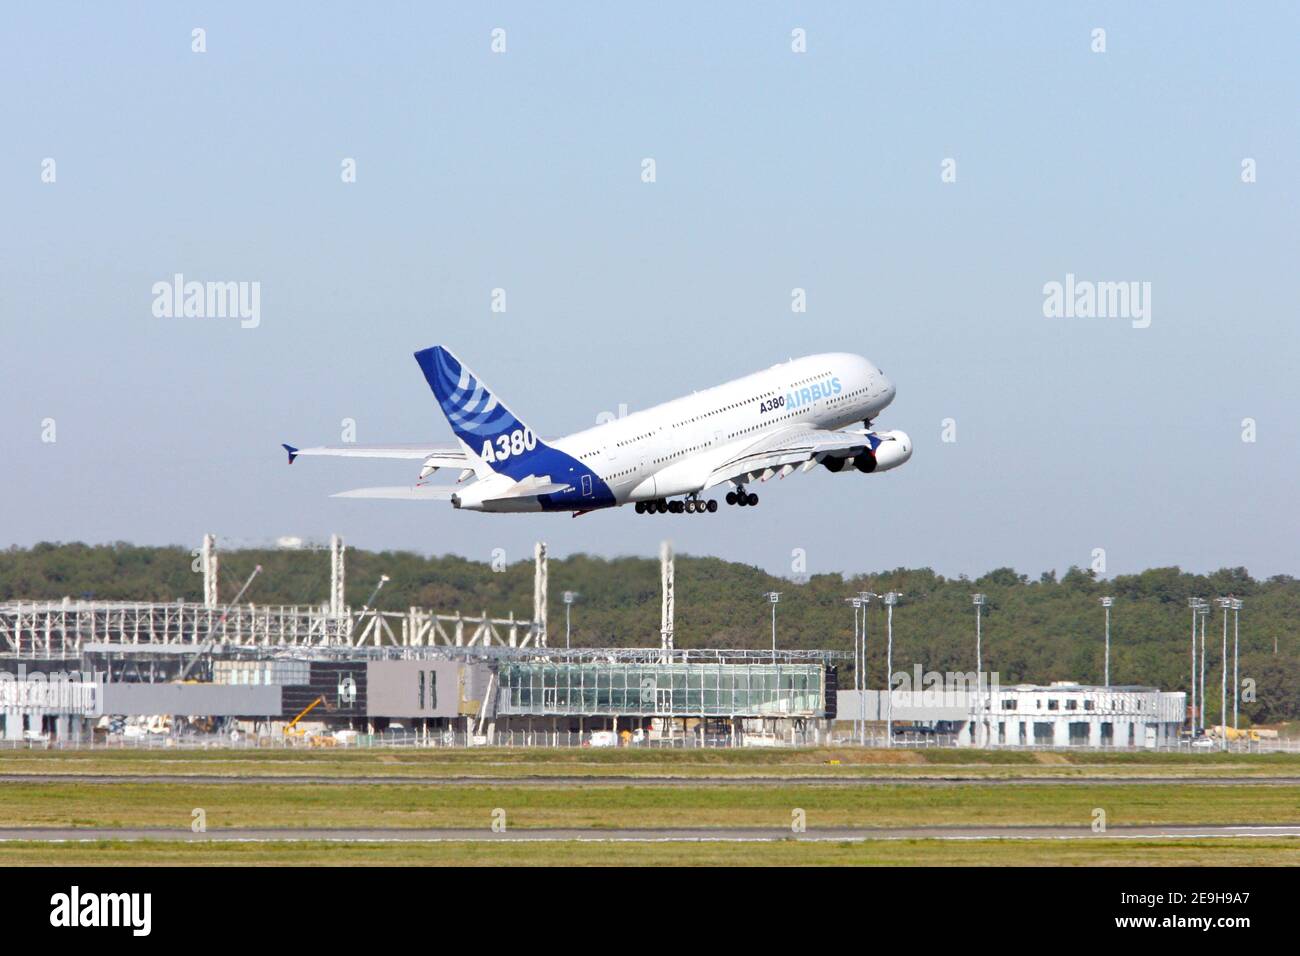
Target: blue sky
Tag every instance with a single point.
(775, 170)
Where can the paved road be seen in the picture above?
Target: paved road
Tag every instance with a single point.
(667, 835)
(945, 780)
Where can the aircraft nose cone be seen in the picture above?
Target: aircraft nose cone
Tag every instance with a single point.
(887, 390)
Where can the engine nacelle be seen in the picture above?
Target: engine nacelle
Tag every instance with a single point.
(894, 449)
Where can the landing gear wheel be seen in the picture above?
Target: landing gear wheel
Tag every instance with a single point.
(712, 506)
(752, 499)
(640, 507)
(731, 497)
(676, 507)
(661, 507)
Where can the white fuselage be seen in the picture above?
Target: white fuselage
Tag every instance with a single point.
(670, 449)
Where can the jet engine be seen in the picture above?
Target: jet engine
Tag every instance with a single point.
(894, 449)
(891, 449)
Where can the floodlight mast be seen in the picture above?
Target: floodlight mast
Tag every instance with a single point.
(1195, 604)
(774, 598)
(569, 598)
(858, 689)
(1236, 646)
(979, 601)
(1226, 604)
(865, 597)
(1106, 602)
(1204, 612)
(890, 599)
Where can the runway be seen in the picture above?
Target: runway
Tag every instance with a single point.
(633, 835)
(820, 780)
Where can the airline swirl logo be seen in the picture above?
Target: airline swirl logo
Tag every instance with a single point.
(469, 406)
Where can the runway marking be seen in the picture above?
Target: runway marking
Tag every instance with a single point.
(721, 835)
(647, 781)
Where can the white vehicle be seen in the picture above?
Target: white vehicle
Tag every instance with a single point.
(603, 738)
(806, 412)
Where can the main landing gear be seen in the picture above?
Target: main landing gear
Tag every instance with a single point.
(742, 498)
(691, 506)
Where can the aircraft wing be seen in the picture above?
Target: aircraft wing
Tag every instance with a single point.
(437, 456)
(781, 451)
(400, 493)
(529, 487)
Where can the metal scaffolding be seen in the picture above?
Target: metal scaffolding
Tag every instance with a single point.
(61, 628)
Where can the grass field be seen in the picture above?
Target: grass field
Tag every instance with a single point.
(1092, 852)
(630, 805)
(570, 798)
(636, 762)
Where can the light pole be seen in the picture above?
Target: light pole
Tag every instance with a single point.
(1236, 646)
(370, 601)
(857, 667)
(1204, 612)
(890, 599)
(1106, 602)
(865, 597)
(979, 600)
(1226, 604)
(569, 598)
(774, 597)
(1195, 604)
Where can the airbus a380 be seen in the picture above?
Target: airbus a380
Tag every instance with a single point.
(805, 412)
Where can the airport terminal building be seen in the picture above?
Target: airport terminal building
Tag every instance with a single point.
(73, 669)
(478, 694)
(1060, 714)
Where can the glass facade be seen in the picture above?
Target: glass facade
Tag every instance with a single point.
(543, 688)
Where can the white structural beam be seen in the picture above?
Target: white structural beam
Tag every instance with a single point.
(539, 593)
(208, 561)
(669, 597)
(338, 574)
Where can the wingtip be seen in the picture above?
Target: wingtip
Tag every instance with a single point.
(293, 452)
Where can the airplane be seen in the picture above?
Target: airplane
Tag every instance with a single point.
(799, 414)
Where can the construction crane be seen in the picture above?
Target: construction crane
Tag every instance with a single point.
(288, 728)
(216, 630)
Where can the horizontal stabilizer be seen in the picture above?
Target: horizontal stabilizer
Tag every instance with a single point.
(400, 493)
(444, 457)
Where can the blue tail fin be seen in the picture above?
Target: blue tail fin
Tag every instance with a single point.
(487, 427)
